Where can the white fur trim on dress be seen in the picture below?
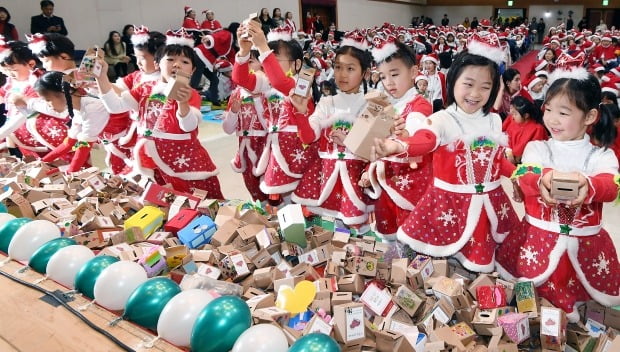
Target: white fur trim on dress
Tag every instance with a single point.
(203, 58)
(277, 154)
(261, 166)
(243, 144)
(356, 220)
(471, 266)
(290, 187)
(398, 199)
(386, 51)
(111, 149)
(350, 188)
(600, 297)
(577, 73)
(474, 211)
(138, 168)
(503, 273)
(493, 222)
(27, 147)
(151, 150)
(374, 191)
(31, 126)
(496, 55)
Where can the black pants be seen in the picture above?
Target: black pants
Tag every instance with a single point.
(120, 69)
(201, 69)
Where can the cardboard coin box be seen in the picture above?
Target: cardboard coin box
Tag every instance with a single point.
(419, 270)
(481, 280)
(293, 224)
(149, 219)
(564, 186)
(443, 310)
(198, 232)
(225, 233)
(208, 271)
(318, 325)
(261, 301)
(353, 283)
(378, 300)
(527, 301)
(339, 298)
(180, 80)
(374, 122)
(465, 333)
(90, 67)
(269, 315)
(152, 261)
(365, 266)
(408, 300)
(316, 256)
(612, 317)
(552, 328)
(303, 86)
(157, 237)
(451, 290)
(349, 324)
(180, 220)
(493, 296)
(208, 207)
(516, 326)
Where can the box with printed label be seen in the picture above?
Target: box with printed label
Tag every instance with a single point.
(180, 220)
(149, 219)
(198, 232)
(526, 298)
(349, 323)
(408, 300)
(365, 266)
(516, 326)
(377, 300)
(420, 269)
(552, 328)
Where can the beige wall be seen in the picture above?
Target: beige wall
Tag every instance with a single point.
(363, 13)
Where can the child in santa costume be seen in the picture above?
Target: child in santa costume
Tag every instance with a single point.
(168, 149)
(523, 125)
(436, 81)
(563, 248)
(210, 23)
(285, 158)
(189, 21)
(604, 53)
(247, 118)
(397, 181)
(119, 146)
(18, 62)
(335, 192)
(465, 212)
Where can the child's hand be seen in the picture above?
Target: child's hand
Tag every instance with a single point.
(517, 194)
(258, 36)
(104, 69)
(18, 100)
(183, 94)
(337, 136)
(385, 147)
(545, 190)
(245, 44)
(299, 103)
(364, 180)
(235, 105)
(399, 126)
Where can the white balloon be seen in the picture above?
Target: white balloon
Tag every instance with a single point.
(179, 315)
(5, 217)
(64, 265)
(31, 237)
(116, 283)
(261, 338)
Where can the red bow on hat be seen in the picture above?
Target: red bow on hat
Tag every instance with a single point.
(382, 48)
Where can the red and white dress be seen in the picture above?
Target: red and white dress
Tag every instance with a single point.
(285, 158)
(565, 251)
(465, 212)
(521, 133)
(395, 184)
(168, 143)
(250, 125)
(330, 186)
(436, 86)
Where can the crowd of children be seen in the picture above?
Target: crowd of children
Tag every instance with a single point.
(433, 184)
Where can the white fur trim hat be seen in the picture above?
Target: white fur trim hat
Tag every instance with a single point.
(486, 45)
(179, 37)
(355, 39)
(284, 33)
(383, 48)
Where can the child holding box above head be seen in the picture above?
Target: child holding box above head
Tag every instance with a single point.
(168, 149)
(395, 181)
(285, 158)
(465, 212)
(332, 187)
(564, 181)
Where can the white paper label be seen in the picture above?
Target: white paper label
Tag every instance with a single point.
(405, 329)
(550, 322)
(441, 315)
(595, 329)
(355, 323)
(320, 326)
(240, 265)
(263, 239)
(210, 271)
(375, 299)
(311, 258)
(285, 268)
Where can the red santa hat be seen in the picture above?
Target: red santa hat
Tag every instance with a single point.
(615, 71)
(179, 37)
(588, 45)
(36, 42)
(187, 10)
(609, 87)
(540, 65)
(502, 36)
(486, 45)
(284, 33)
(432, 58)
(568, 71)
(579, 36)
(420, 77)
(606, 36)
(541, 73)
(140, 35)
(555, 39)
(356, 40)
(317, 51)
(5, 49)
(207, 11)
(597, 68)
(383, 48)
(485, 22)
(223, 65)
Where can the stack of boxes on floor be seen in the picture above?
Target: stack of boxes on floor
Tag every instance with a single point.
(369, 295)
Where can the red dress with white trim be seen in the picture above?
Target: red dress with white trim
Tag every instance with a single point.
(563, 250)
(250, 126)
(465, 212)
(285, 158)
(394, 183)
(331, 187)
(437, 86)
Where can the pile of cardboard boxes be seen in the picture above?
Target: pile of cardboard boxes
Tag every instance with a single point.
(369, 295)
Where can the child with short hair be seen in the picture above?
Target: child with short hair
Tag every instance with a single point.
(523, 125)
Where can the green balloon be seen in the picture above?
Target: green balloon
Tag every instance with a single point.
(3, 208)
(315, 342)
(219, 325)
(148, 300)
(88, 274)
(7, 231)
(39, 259)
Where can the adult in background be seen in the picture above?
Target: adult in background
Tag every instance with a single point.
(533, 28)
(189, 21)
(116, 54)
(445, 20)
(309, 24)
(266, 22)
(7, 29)
(46, 22)
(466, 22)
(583, 24)
(540, 28)
(126, 38)
(569, 22)
(210, 23)
(288, 20)
(277, 18)
(510, 88)
(318, 24)
(474, 23)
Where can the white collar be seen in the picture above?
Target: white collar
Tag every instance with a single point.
(578, 143)
(459, 112)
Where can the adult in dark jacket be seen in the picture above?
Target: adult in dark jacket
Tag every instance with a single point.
(46, 22)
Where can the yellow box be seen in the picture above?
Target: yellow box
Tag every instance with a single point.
(149, 219)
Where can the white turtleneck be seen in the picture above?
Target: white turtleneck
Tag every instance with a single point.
(400, 103)
(339, 107)
(570, 156)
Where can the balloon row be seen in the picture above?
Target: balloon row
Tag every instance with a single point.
(184, 318)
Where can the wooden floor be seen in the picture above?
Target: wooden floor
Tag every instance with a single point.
(29, 324)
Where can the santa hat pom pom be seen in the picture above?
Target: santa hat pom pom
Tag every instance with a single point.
(486, 45)
(577, 73)
(5, 49)
(140, 35)
(284, 33)
(383, 48)
(179, 37)
(36, 43)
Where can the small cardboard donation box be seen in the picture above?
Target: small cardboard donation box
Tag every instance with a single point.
(180, 80)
